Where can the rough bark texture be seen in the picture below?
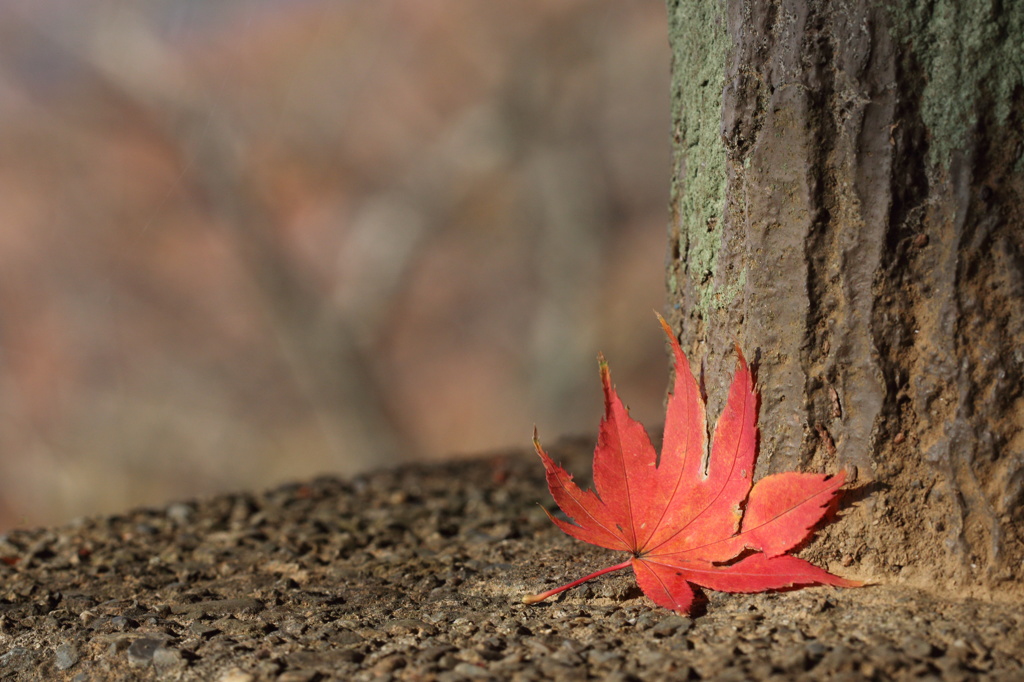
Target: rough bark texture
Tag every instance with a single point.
(847, 202)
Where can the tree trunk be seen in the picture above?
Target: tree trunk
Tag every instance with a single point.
(847, 206)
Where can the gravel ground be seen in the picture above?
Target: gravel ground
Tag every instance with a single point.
(417, 574)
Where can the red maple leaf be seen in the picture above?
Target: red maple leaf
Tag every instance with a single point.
(684, 520)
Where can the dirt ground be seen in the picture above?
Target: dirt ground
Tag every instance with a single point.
(417, 574)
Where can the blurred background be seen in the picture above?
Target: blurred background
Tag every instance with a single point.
(250, 241)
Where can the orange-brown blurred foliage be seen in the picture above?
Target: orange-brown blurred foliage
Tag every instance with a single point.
(254, 240)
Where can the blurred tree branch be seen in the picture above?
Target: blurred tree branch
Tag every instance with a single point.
(332, 364)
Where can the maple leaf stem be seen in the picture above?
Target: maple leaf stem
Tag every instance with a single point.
(541, 596)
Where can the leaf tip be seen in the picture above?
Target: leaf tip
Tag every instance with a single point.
(664, 324)
(739, 354)
(606, 375)
(670, 333)
(539, 449)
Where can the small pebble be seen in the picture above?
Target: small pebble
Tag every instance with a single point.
(168, 658)
(203, 630)
(917, 648)
(236, 675)
(816, 649)
(16, 658)
(471, 671)
(66, 656)
(298, 676)
(180, 513)
(408, 626)
(673, 625)
(140, 652)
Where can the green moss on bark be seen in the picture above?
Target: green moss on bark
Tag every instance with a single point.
(972, 62)
(700, 41)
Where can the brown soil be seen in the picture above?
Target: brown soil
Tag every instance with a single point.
(417, 573)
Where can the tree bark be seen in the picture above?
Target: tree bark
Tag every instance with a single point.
(847, 207)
